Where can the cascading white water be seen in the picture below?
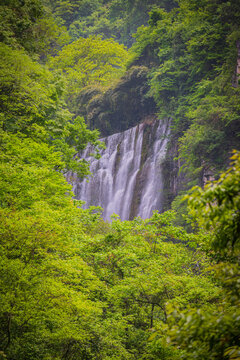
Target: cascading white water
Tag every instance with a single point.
(127, 179)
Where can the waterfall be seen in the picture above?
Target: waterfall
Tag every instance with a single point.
(127, 179)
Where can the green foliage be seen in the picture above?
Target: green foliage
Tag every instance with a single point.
(28, 93)
(69, 11)
(214, 333)
(143, 269)
(32, 104)
(27, 25)
(117, 19)
(17, 18)
(44, 284)
(193, 54)
(216, 207)
(49, 37)
(90, 61)
(72, 286)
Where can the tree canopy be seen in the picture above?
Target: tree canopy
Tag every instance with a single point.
(91, 61)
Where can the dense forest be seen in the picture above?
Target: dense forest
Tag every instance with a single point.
(76, 287)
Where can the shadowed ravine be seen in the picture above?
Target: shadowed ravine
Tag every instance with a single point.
(127, 179)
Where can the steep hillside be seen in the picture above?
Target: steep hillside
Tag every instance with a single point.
(194, 80)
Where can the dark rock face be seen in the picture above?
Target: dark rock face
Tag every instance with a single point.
(120, 107)
(174, 181)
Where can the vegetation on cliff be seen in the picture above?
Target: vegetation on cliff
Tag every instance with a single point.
(193, 78)
(72, 286)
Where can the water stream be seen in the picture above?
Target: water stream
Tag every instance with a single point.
(127, 180)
